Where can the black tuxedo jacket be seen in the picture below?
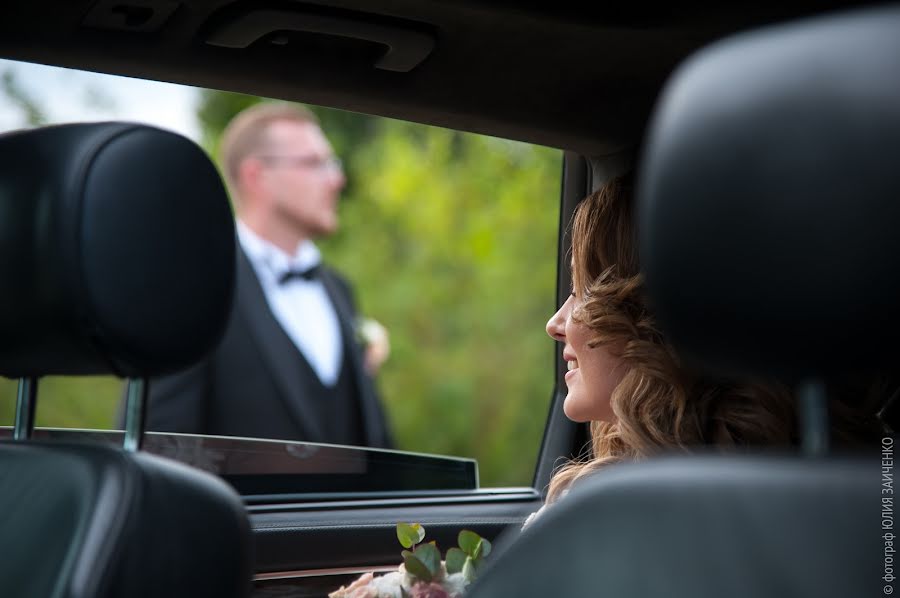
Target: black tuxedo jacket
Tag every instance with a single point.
(249, 385)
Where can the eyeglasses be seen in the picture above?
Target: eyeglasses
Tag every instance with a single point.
(310, 162)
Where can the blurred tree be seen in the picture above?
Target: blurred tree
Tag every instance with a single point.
(34, 114)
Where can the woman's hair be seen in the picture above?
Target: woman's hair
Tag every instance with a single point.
(659, 405)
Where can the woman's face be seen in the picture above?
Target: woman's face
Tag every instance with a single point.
(593, 372)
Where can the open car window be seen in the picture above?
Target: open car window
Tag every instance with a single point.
(450, 240)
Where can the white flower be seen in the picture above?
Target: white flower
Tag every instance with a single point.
(388, 585)
(455, 584)
(375, 338)
(393, 584)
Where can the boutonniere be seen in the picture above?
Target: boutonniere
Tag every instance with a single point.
(373, 338)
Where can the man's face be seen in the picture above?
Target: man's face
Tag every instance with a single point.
(302, 178)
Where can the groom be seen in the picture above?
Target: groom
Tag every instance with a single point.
(289, 365)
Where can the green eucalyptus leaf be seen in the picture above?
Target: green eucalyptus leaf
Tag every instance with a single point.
(410, 534)
(485, 547)
(456, 558)
(429, 555)
(477, 564)
(468, 541)
(416, 568)
(468, 570)
(476, 555)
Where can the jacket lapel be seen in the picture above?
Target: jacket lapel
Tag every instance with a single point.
(373, 418)
(269, 338)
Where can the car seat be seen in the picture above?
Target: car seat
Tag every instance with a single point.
(116, 256)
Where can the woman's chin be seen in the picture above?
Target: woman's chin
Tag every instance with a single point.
(572, 411)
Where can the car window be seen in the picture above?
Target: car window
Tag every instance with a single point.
(448, 238)
(263, 470)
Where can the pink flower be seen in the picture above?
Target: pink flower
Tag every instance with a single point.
(358, 589)
(428, 590)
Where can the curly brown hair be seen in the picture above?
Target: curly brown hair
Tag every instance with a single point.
(658, 405)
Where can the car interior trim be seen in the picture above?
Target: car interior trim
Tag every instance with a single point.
(323, 572)
(364, 500)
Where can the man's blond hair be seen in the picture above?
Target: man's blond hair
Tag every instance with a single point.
(246, 133)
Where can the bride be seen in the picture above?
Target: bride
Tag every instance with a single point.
(628, 382)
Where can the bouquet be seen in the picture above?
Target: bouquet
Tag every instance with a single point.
(423, 574)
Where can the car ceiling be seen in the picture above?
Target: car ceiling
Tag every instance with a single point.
(560, 74)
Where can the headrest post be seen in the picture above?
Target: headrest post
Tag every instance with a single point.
(25, 408)
(135, 413)
(813, 401)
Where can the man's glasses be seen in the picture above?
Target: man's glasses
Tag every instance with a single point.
(310, 162)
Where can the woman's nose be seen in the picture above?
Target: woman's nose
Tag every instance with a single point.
(556, 325)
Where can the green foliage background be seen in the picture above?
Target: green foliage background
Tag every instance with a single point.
(450, 241)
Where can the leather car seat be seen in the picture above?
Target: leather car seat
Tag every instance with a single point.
(116, 256)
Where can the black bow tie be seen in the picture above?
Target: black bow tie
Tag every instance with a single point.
(309, 274)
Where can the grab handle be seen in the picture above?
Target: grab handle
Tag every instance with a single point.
(406, 48)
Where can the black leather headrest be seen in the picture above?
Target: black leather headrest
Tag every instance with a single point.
(117, 251)
(769, 199)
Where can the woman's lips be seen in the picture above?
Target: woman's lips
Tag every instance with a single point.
(571, 363)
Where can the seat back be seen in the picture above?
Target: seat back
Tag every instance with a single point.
(90, 521)
(703, 527)
(117, 256)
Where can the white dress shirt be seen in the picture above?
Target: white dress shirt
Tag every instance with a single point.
(302, 307)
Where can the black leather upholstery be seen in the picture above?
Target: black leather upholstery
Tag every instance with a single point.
(117, 248)
(89, 521)
(769, 199)
(116, 256)
(704, 528)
